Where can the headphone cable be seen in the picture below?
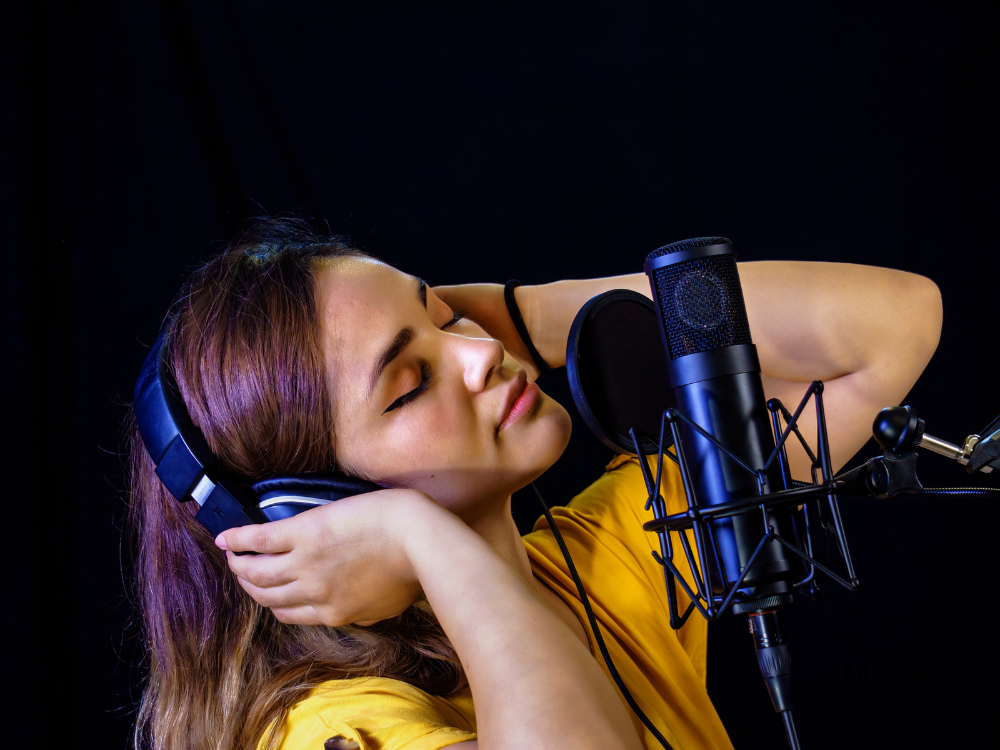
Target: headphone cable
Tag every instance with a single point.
(593, 624)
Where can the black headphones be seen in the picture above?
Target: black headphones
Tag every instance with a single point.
(189, 471)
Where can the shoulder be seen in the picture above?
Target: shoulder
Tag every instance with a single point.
(615, 504)
(378, 713)
(603, 524)
(602, 528)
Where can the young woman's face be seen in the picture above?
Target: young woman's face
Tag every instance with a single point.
(426, 402)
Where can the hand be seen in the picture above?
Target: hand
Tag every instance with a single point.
(485, 306)
(333, 565)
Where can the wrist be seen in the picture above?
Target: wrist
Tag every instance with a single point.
(535, 310)
(427, 532)
(524, 335)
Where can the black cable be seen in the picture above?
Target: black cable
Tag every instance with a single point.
(593, 624)
(981, 491)
(932, 491)
(793, 736)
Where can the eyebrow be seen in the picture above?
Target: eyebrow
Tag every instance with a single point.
(398, 343)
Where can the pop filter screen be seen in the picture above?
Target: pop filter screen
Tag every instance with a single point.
(617, 369)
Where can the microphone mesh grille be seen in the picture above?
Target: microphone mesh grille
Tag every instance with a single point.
(702, 303)
(676, 247)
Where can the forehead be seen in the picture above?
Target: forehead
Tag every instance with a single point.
(361, 304)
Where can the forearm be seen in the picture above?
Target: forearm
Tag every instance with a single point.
(866, 332)
(809, 320)
(533, 682)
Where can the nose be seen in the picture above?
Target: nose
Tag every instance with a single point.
(480, 359)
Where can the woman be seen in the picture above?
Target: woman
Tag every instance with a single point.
(417, 616)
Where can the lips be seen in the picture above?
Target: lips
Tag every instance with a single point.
(520, 397)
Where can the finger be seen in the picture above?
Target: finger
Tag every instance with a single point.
(273, 537)
(304, 615)
(277, 596)
(449, 292)
(309, 615)
(263, 571)
(476, 298)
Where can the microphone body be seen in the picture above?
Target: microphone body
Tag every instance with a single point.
(714, 374)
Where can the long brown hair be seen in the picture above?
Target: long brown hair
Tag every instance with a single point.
(245, 351)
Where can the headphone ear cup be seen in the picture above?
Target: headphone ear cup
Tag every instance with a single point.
(283, 497)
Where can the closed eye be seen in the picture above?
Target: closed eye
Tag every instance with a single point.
(425, 372)
(455, 318)
(425, 382)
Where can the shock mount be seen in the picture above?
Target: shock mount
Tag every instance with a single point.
(809, 511)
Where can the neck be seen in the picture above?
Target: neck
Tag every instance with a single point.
(500, 532)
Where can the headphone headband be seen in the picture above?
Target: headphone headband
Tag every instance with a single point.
(176, 446)
(189, 470)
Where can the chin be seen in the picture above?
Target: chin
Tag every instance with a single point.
(547, 438)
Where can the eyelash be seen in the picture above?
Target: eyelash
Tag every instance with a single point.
(425, 372)
(455, 318)
(425, 381)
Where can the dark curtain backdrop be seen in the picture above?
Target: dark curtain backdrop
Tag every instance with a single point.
(471, 143)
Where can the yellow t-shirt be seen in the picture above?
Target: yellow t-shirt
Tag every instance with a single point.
(664, 669)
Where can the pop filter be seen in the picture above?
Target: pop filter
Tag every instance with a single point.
(617, 369)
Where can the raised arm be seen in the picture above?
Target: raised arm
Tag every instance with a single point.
(866, 332)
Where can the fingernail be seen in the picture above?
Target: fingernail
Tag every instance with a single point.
(220, 542)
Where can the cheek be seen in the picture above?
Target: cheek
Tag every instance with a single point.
(432, 436)
(443, 450)
(544, 440)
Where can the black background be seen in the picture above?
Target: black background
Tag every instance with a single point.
(537, 140)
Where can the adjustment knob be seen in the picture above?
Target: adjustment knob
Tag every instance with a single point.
(898, 429)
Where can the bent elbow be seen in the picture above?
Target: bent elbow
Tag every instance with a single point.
(928, 316)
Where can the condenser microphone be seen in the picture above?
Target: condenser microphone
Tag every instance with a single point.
(714, 375)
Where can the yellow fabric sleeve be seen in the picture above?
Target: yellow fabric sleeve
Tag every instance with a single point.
(379, 714)
(606, 522)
